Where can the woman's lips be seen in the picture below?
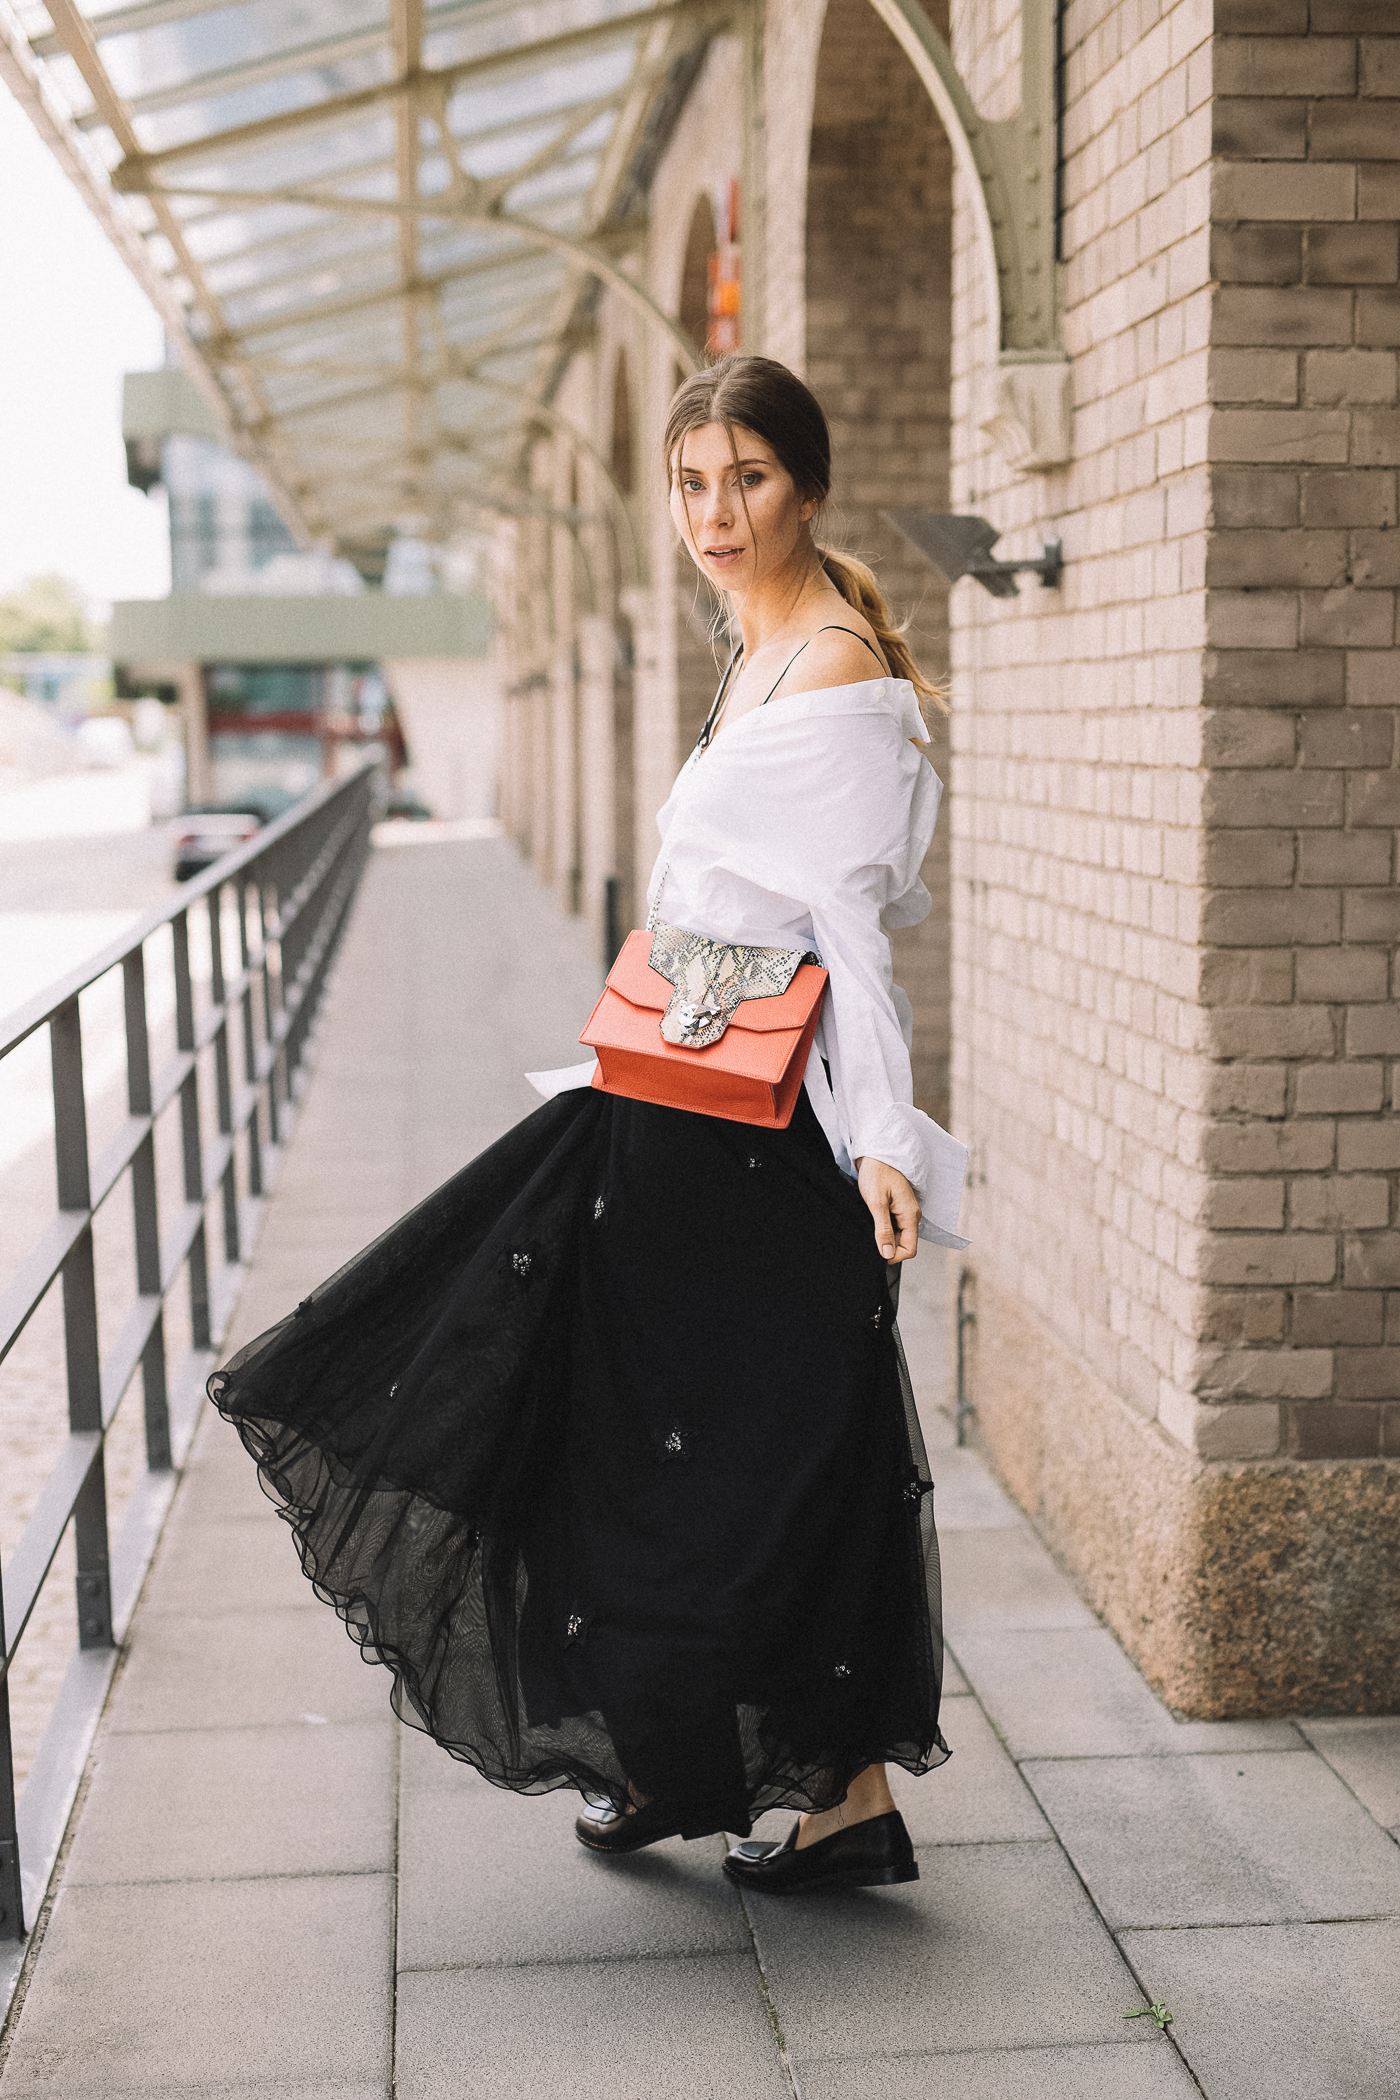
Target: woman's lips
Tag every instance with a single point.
(721, 556)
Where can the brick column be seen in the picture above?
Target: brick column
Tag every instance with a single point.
(1302, 915)
(879, 208)
(1175, 801)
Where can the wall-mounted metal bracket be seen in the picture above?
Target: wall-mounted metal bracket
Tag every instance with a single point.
(963, 547)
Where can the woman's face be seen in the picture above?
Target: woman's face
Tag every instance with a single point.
(735, 506)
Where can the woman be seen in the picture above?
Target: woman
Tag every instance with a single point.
(607, 1449)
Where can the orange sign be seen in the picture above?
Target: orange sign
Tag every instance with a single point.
(725, 298)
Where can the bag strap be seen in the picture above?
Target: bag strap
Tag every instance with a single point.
(721, 695)
(701, 741)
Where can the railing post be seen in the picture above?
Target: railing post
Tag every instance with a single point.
(223, 1080)
(250, 1045)
(146, 1211)
(201, 1331)
(295, 940)
(272, 983)
(11, 1886)
(84, 1360)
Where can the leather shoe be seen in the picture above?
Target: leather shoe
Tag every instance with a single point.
(872, 1854)
(604, 1828)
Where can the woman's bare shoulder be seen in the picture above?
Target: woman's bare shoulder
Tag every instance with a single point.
(836, 656)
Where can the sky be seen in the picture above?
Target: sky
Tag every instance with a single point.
(72, 321)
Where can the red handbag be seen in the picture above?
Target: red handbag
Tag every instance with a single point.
(712, 1026)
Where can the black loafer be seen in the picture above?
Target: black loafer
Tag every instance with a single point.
(872, 1854)
(605, 1829)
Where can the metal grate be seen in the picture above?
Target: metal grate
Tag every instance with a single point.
(265, 919)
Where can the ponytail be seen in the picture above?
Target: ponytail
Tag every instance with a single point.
(857, 585)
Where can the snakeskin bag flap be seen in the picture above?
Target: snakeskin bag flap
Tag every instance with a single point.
(717, 1027)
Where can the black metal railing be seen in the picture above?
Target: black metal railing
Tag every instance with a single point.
(264, 920)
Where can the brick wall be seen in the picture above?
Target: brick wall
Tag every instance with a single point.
(1301, 915)
(1076, 789)
(878, 289)
(1175, 796)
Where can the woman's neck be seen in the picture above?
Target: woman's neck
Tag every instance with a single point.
(771, 607)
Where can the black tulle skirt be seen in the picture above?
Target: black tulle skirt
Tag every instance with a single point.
(608, 1451)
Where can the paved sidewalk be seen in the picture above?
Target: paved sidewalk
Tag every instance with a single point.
(275, 1890)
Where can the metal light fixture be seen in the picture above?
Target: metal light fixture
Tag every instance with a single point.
(963, 547)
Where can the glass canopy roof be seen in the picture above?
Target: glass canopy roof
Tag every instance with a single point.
(374, 223)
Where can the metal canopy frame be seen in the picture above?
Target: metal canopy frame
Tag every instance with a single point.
(368, 224)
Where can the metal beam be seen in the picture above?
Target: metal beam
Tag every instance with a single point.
(322, 310)
(457, 367)
(251, 72)
(534, 235)
(154, 14)
(406, 24)
(335, 108)
(355, 171)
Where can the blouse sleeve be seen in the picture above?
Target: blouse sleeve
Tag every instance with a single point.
(871, 1078)
(887, 824)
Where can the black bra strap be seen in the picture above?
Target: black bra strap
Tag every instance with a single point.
(833, 628)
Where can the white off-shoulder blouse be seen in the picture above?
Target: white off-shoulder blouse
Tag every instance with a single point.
(803, 824)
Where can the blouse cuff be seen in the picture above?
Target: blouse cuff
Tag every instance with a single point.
(929, 1158)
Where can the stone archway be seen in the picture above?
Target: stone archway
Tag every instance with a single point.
(702, 243)
(695, 654)
(620, 905)
(879, 312)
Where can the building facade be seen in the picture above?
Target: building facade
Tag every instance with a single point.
(1121, 274)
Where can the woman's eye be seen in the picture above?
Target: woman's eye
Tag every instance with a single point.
(751, 481)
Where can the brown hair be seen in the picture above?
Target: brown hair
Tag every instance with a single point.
(766, 398)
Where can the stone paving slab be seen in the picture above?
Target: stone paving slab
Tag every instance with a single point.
(1253, 1838)
(188, 1672)
(379, 2090)
(642, 2030)
(215, 1569)
(1364, 1751)
(955, 1685)
(272, 1980)
(1263, 2012)
(999, 1578)
(211, 1804)
(1072, 1692)
(1110, 2071)
(490, 1878)
(966, 1497)
(977, 1798)
(995, 1946)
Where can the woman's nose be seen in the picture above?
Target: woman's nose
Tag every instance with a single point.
(719, 510)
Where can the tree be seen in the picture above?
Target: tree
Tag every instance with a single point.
(48, 613)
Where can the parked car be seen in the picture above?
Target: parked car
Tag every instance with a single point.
(209, 831)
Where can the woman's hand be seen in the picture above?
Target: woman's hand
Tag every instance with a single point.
(894, 1207)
